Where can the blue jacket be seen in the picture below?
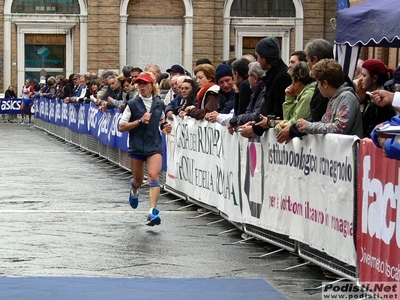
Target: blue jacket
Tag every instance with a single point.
(391, 147)
(146, 138)
(175, 104)
(252, 112)
(226, 101)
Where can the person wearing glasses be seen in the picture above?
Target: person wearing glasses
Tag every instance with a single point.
(173, 107)
(255, 75)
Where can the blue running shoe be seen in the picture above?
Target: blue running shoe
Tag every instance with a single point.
(133, 197)
(153, 218)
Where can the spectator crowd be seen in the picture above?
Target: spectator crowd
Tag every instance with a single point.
(252, 94)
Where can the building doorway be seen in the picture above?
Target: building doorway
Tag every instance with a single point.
(44, 55)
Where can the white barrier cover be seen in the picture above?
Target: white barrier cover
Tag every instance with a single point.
(303, 189)
(203, 163)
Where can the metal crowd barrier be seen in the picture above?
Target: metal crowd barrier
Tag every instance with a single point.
(89, 143)
(121, 158)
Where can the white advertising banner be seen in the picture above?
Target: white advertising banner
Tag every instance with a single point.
(304, 189)
(203, 163)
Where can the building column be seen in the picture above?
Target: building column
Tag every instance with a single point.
(7, 53)
(20, 59)
(69, 53)
(225, 39)
(123, 19)
(83, 35)
(188, 44)
(299, 33)
(285, 51)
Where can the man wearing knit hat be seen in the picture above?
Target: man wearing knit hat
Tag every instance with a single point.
(224, 78)
(266, 50)
(276, 80)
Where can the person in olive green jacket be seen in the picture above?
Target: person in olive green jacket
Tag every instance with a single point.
(298, 96)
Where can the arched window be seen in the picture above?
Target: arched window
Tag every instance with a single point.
(263, 8)
(46, 6)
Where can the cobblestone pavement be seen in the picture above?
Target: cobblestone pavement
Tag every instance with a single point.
(65, 212)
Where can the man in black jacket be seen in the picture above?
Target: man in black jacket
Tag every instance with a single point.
(276, 80)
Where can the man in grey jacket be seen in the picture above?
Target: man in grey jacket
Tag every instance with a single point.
(343, 112)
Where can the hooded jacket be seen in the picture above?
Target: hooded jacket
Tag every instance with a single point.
(342, 114)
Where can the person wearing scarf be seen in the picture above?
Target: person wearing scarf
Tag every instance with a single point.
(207, 97)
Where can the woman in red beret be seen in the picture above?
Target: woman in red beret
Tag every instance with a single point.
(374, 75)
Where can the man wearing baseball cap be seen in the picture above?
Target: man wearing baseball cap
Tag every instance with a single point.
(176, 70)
(395, 80)
(174, 73)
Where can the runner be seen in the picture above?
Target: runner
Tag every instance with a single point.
(27, 94)
(143, 117)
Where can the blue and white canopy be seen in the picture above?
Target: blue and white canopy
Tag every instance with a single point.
(373, 23)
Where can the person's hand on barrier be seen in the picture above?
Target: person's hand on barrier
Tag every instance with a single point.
(146, 118)
(212, 116)
(264, 123)
(167, 128)
(121, 107)
(381, 134)
(231, 129)
(103, 106)
(246, 130)
(182, 114)
(382, 97)
(283, 136)
(170, 115)
(111, 99)
(301, 124)
(381, 141)
(189, 108)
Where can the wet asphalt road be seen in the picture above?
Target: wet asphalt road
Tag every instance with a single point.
(65, 212)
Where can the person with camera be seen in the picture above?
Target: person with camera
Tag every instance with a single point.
(276, 80)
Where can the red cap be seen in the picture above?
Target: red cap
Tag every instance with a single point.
(145, 78)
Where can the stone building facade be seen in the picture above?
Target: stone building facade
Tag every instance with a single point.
(66, 36)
